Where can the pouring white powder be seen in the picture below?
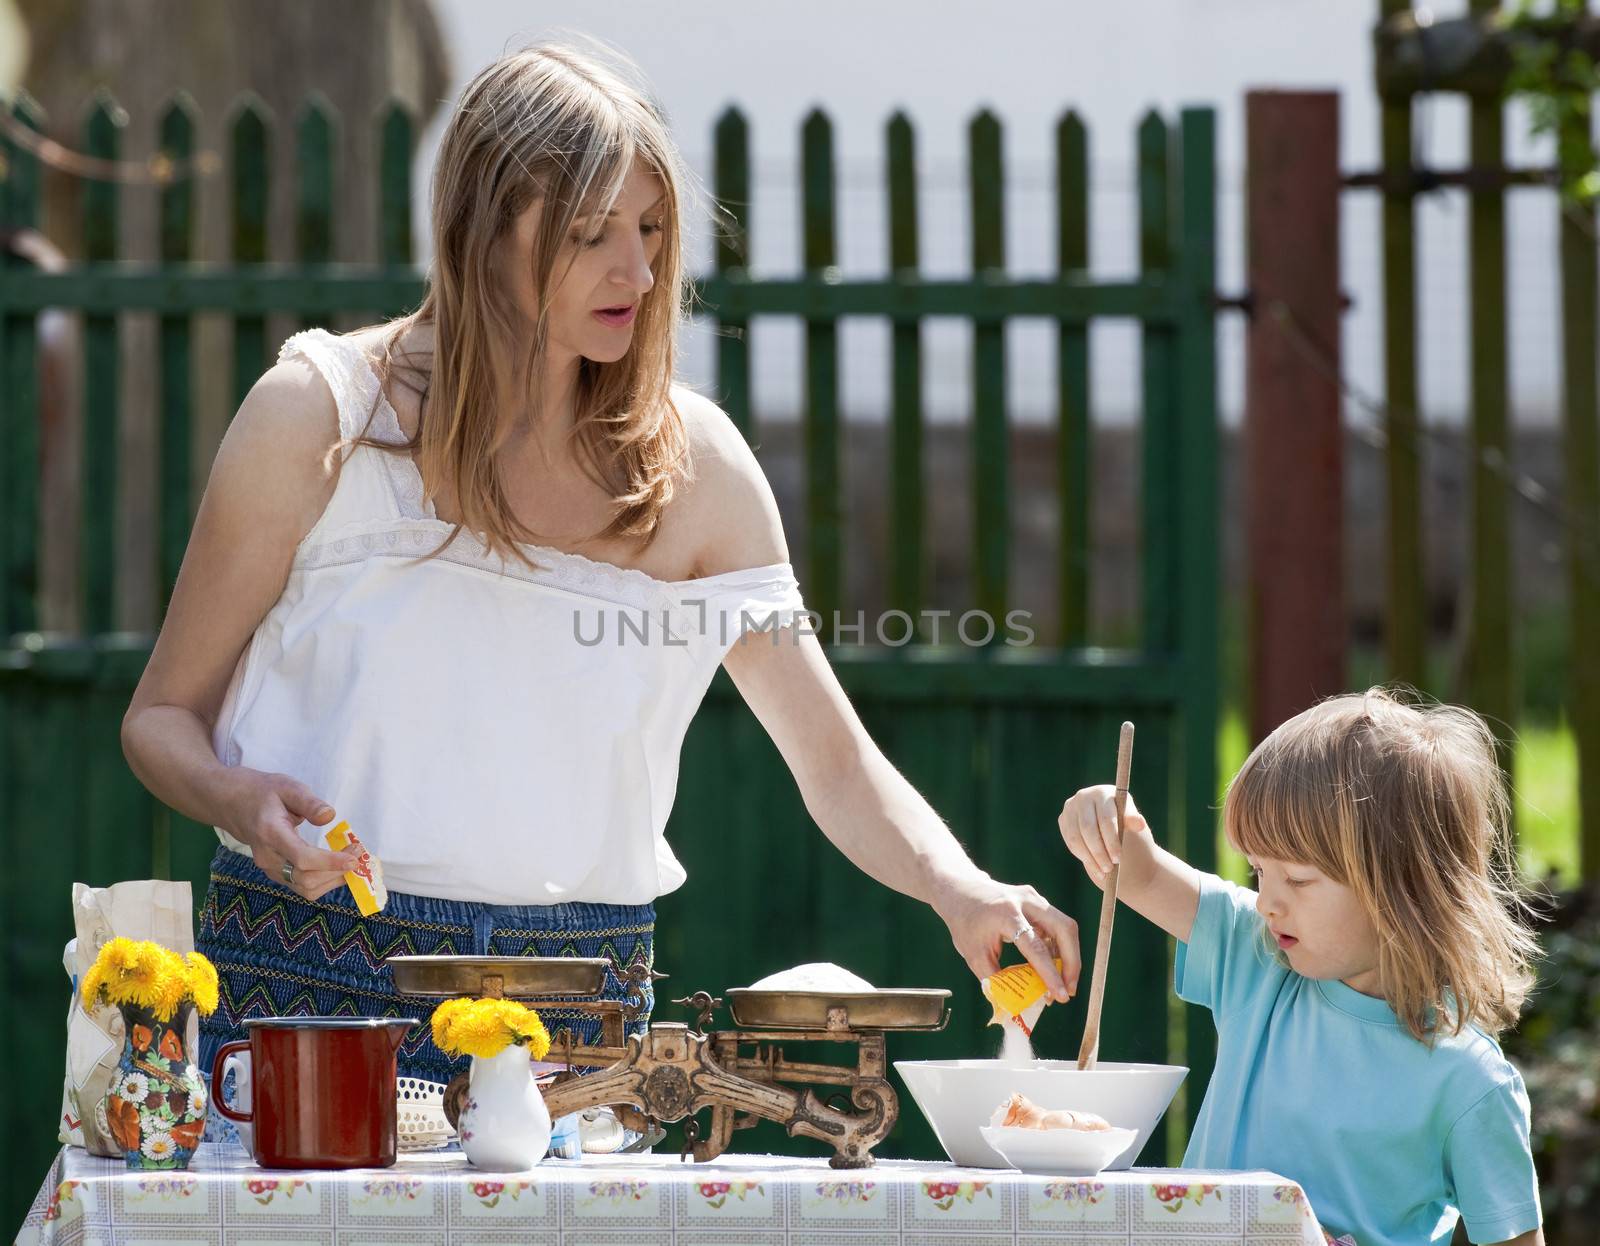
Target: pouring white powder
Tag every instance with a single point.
(1014, 1045)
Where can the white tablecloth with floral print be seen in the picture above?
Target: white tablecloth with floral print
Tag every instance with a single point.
(437, 1197)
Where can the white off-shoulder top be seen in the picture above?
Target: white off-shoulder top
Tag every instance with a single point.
(493, 733)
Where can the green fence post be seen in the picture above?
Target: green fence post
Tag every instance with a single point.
(731, 176)
(990, 429)
(176, 400)
(394, 191)
(252, 134)
(177, 396)
(907, 551)
(1197, 518)
(1162, 434)
(1407, 639)
(19, 413)
(101, 379)
(824, 483)
(1490, 680)
(1074, 435)
(1155, 158)
(19, 502)
(314, 203)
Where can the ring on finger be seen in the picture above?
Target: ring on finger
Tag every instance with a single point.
(287, 870)
(1024, 931)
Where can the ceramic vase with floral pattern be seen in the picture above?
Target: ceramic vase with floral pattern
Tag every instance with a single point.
(156, 1107)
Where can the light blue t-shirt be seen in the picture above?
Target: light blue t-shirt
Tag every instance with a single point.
(1391, 1142)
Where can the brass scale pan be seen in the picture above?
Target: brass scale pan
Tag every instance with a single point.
(570, 979)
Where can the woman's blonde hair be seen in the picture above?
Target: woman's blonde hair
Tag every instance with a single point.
(554, 125)
(1404, 803)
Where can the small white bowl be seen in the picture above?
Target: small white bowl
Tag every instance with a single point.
(1058, 1152)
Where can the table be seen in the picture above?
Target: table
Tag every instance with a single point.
(437, 1197)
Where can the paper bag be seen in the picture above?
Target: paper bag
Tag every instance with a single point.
(153, 909)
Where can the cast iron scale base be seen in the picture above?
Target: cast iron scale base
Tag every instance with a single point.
(675, 1070)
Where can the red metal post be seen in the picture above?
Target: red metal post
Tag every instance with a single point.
(1293, 450)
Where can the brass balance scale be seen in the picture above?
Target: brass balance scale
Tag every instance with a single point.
(676, 1070)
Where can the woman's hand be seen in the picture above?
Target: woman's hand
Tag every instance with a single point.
(982, 914)
(264, 811)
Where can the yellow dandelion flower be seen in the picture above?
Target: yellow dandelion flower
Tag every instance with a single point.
(94, 983)
(480, 1033)
(532, 1034)
(171, 986)
(158, 982)
(109, 967)
(141, 972)
(122, 974)
(443, 1019)
(486, 1027)
(202, 983)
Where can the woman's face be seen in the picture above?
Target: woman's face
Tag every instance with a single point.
(603, 270)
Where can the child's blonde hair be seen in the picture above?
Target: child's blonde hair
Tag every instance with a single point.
(1404, 803)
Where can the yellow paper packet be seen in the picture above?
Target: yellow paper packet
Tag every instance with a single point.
(366, 880)
(1018, 994)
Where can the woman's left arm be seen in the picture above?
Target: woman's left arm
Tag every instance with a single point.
(861, 802)
(879, 821)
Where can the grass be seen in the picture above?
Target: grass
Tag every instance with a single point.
(1545, 785)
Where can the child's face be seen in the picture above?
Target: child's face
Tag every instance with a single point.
(1319, 923)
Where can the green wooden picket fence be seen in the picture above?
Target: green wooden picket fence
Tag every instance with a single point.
(1406, 74)
(994, 736)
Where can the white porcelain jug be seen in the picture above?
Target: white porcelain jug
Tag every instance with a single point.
(504, 1124)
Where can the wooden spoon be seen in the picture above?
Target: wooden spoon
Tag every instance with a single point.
(1090, 1047)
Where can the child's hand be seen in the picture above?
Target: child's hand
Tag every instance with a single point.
(1088, 825)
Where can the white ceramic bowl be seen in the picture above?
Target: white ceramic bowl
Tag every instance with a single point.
(1058, 1152)
(959, 1096)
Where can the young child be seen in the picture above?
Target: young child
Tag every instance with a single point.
(1358, 991)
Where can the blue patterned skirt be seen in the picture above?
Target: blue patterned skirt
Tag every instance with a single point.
(278, 955)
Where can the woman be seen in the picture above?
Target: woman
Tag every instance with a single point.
(403, 595)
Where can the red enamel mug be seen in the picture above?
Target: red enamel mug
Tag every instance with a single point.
(322, 1089)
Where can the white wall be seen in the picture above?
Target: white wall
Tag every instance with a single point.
(1029, 60)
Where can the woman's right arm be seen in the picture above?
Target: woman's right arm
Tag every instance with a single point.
(271, 480)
